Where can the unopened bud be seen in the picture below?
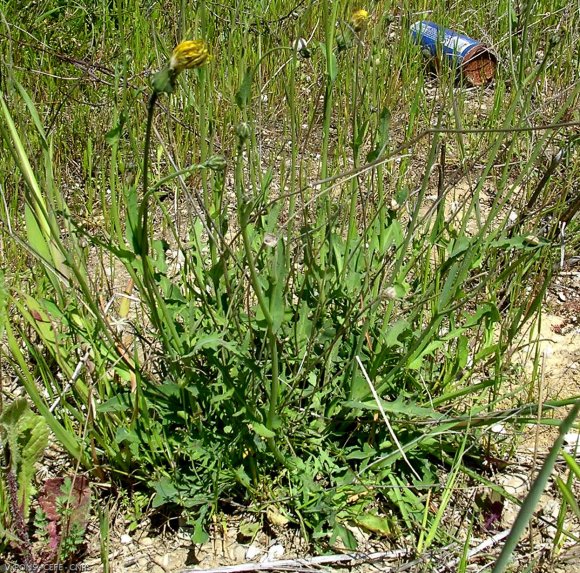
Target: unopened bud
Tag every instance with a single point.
(216, 163)
(243, 131)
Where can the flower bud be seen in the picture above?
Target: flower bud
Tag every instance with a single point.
(216, 163)
(242, 131)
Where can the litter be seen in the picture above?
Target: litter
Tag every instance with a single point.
(476, 63)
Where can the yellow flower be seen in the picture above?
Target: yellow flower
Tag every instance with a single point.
(188, 54)
(359, 20)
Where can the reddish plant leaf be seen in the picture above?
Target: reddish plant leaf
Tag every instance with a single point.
(80, 501)
(53, 537)
(54, 496)
(47, 499)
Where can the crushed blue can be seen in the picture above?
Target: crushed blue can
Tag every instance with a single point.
(474, 60)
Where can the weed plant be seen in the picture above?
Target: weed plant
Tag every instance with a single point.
(340, 252)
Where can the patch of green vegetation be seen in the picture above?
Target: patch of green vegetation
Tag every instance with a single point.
(306, 296)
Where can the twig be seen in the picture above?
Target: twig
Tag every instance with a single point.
(300, 564)
(385, 418)
(77, 372)
(431, 131)
(450, 565)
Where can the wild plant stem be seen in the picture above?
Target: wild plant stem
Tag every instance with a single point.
(165, 327)
(143, 240)
(328, 100)
(274, 386)
(355, 152)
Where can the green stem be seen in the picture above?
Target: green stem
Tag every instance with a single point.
(352, 227)
(522, 62)
(274, 389)
(166, 327)
(143, 240)
(329, 23)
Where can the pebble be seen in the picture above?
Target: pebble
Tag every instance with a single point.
(146, 541)
(275, 552)
(239, 553)
(126, 539)
(253, 551)
(572, 444)
(562, 296)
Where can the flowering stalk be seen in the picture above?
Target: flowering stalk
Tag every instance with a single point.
(186, 55)
(359, 21)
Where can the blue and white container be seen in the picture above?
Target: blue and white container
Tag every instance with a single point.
(475, 62)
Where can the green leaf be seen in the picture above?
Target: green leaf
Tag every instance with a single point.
(394, 331)
(244, 92)
(333, 71)
(382, 136)
(572, 464)
(67, 438)
(399, 406)
(276, 290)
(13, 413)
(331, 63)
(345, 535)
(36, 236)
(568, 495)
(200, 535)
(166, 492)
(119, 403)
(519, 242)
(215, 342)
(132, 210)
(262, 431)
(374, 523)
(249, 528)
(416, 361)
(113, 135)
(26, 435)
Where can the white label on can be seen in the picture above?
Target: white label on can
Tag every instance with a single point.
(458, 44)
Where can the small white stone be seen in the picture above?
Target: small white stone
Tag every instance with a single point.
(562, 296)
(253, 552)
(390, 293)
(275, 552)
(270, 240)
(498, 429)
(572, 443)
(126, 539)
(547, 351)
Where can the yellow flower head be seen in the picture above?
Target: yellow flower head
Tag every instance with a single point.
(359, 20)
(188, 54)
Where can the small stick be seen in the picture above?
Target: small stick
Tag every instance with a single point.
(476, 550)
(300, 564)
(385, 418)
